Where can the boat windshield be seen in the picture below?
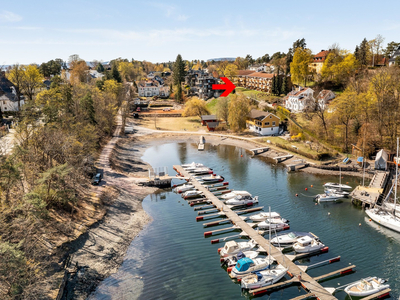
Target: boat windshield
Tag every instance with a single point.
(291, 235)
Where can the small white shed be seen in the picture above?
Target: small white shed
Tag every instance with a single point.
(381, 160)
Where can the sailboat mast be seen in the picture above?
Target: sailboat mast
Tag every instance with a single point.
(395, 187)
(269, 253)
(363, 161)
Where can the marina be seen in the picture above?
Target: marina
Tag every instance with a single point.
(209, 284)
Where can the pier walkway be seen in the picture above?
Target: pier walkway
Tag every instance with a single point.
(307, 282)
(370, 194)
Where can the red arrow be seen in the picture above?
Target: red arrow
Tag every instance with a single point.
(228, 87)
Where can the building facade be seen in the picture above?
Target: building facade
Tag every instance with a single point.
(392, 60)
(151, 88)
(257, 81)
(318, 61)
(8, 95)
(263, 123)
(300, 99)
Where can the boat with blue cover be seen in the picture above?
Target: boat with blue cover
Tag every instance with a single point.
(246, 266)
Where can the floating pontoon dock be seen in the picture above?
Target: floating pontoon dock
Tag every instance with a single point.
(369, 195)
(307, 281)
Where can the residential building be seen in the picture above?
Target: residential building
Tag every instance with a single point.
(200, 83)
(263, 123)
(324, 98)
(267, 68)
(392, 60)
(151, 88)
(258, 81)
(300, 99)
(318, 61)
(8, 95)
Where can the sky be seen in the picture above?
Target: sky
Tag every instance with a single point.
(157, 31)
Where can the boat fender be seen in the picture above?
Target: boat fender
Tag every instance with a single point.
(199, 218)
(219, 250)
(311, 185)
(229, 269)
(306, 189)
(215, 241)
(297, 195)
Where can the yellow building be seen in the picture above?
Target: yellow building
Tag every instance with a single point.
(318, 61)
(263, 122)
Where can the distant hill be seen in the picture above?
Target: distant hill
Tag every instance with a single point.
(222, 59)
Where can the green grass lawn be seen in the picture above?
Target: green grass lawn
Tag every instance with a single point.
(211, 105)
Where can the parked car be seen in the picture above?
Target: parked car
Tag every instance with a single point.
(97, 179)
(167, 109)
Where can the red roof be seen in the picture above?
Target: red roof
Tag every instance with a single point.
(320, 57)
(245, 72)
(262, 75)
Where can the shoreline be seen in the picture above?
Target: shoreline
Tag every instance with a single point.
(100, 251)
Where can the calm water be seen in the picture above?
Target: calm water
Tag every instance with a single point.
(171, 259)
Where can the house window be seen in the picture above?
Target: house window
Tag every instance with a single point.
(266, 123)
(270, 117)
(273, 123)
(259, 129)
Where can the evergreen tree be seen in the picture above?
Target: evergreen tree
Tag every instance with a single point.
(88, 108)
(279, 85)
(100, 68)
(179, 70)
(178, 94)
(115, 73)
(357, 52)
(289, 59)
(363, 52)
(285, 85)
(273, 86)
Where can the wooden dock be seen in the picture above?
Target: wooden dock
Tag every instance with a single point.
(307, 283)
(369, 195)
(279, 159)
(259, 150)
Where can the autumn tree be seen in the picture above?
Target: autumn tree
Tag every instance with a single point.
(195, 107)
(79, 71)
(239, 108)
(230, 71)
(222, 108)
(391, 48)
(299, 68)
(32, 80)
(339, 67)
(16, 76)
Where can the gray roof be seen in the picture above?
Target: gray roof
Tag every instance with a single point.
(395, 54)
(208, 117)
(6, 88)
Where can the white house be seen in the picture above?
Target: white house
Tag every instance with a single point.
(392, 60)
(8, 95)
(300, 99)
(152, 88)
(267, 68)
(324, 98)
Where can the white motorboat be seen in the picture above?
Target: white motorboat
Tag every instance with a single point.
(233, 194)
(290, 238)
(242, 200)
(307, 244)
(344, 194)
(192, 165)
(232, 247)
(212, 178)
(274, 217)
(246, 266)
(201, 170)
(231, 261)
(366, 287)
(191, 194)
(264, 278)
(328, 197)
(267, 225)
(337, 186)
(184, 188)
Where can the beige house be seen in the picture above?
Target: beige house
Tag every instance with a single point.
(318, 61)
(263, 123)
(257, 81)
